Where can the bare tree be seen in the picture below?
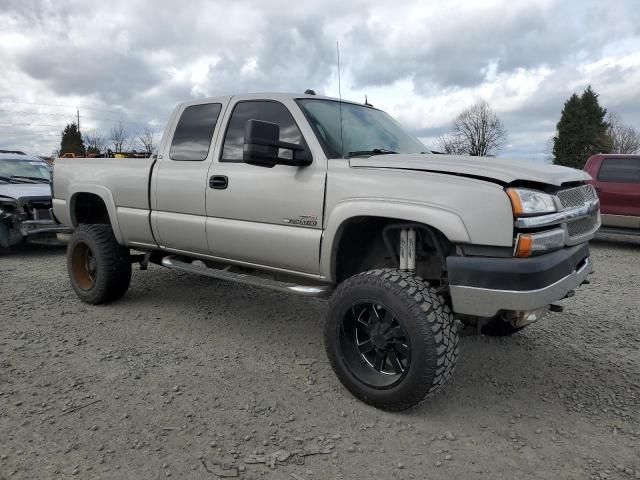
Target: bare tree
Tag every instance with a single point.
(476, 131)
(452, 144)
(118, 137)
(548, 150)
(147, 138)
(94, 142)
(624, 138)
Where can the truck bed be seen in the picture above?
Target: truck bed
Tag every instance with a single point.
(125, 180)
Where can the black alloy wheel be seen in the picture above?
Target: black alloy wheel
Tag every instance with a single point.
(375, 344)
(390, 338)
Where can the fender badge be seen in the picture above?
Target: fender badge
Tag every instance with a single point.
(307, 220)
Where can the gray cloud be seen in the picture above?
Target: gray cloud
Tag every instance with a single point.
(88, 71)
(133, 60)
(456, 51)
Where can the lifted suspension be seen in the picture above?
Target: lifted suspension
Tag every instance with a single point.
(407, 259)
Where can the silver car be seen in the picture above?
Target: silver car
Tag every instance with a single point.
(25, 201)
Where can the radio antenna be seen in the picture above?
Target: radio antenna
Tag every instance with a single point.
(340, 102)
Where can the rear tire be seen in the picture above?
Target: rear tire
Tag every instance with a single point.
(99, 268)
(390, 338)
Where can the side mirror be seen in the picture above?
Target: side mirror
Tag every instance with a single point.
(262, 142)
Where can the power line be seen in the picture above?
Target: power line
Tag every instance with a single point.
(64, 106)
(55, 125)
(24, 112)
(24, 134)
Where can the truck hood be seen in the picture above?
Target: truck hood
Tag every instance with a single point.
(22, 191)
(496, 169)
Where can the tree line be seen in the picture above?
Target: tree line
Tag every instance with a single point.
(117, 140)
(584, 129)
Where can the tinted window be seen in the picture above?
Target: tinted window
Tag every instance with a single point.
(621, 170)
(194, 131)
(266, 111)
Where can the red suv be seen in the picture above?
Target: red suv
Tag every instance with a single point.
(616, 178)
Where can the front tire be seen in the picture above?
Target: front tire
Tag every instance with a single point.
(99, 268)
(390, 338)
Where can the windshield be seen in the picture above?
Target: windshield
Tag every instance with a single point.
(24, 171)
(365, 130)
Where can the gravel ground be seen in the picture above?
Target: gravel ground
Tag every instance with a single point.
(188, 377)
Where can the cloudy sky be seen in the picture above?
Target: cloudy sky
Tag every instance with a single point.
(422, 61)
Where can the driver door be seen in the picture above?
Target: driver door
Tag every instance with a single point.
(266, 216)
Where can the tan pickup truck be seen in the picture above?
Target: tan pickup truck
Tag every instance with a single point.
(320, 197)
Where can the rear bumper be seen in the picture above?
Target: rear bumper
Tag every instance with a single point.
(484, 286)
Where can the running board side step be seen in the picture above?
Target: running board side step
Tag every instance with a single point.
(176, 262)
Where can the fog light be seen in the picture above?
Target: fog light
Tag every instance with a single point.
(525, 317)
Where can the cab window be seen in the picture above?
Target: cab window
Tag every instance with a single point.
(193, 133)
(620, 170)
(264, 110)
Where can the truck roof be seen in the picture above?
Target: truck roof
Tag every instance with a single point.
(267, 95)
(616, 155)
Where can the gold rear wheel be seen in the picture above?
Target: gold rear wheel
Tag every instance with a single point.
(83, 266)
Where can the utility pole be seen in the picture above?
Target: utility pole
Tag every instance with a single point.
(78, 112)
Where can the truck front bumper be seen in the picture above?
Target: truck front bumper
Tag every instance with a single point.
(13, 231)
(32, 228)
(483, 286)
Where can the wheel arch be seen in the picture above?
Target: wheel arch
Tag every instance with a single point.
(93, 204)
(340, 226)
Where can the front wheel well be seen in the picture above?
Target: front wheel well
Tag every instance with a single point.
(366, 243)
(89, 208)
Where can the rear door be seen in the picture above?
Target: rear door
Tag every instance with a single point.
(178, 203)
(618, 187)
(266, 216)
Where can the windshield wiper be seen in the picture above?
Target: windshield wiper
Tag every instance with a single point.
(34, 179)
(375, 151)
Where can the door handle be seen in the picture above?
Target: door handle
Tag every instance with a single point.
(219, 182)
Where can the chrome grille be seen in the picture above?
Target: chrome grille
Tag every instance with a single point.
(582, 226)
(576, 197)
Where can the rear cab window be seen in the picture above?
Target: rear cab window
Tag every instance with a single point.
(620, 170)
(194, 131)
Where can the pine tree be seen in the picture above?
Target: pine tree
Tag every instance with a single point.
(596, 138)
(581, 131)
(72, 140)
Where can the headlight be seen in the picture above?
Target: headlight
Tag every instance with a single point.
(8, 205)
(530, 202)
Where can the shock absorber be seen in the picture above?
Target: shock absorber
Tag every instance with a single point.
(403, 249)
(411, 250)
(408, 250)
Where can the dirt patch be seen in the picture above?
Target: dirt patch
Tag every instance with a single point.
(193, 378)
